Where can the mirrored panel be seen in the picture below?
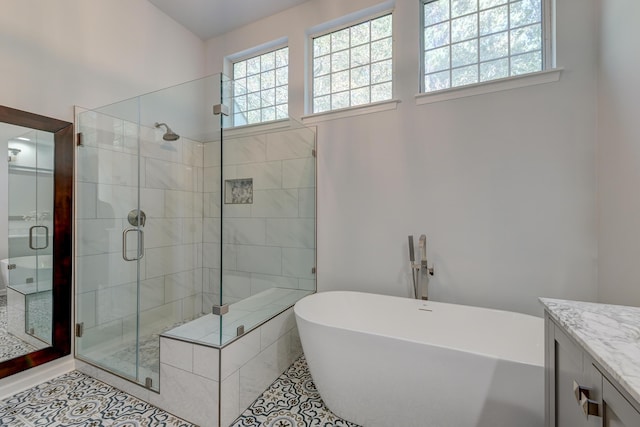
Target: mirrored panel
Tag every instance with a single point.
(35, 239)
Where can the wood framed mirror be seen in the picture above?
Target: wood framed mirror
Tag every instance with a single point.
(37, 270)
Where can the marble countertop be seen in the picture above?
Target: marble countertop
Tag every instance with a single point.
(610, 333)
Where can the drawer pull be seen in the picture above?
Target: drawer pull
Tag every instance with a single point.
(590, 407)
(579, 390)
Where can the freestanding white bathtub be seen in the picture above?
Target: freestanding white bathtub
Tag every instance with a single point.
(388, 361)
(27, 267)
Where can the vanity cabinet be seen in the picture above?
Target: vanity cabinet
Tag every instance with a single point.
(578, 393)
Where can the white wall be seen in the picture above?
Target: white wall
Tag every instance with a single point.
(503, 184)
(619, 154)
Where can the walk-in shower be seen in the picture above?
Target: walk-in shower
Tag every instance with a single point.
(230, 225)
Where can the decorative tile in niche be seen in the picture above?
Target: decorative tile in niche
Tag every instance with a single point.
(238, 191)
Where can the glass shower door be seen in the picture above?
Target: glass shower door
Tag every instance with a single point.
(110, 243)
(30, 234)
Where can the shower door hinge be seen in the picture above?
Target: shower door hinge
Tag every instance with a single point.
(79, 139)
(220, 109)
(148, 382)
(11, 267)
(79, 329)
(313, 153)
(313, 270)
(240, 330)
(220, 310)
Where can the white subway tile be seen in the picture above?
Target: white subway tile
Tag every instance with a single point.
(275, 204)
(244, 150)
(206, 362)
(178, 354)
(188, 396)
(230, 407)
(87, 200)
(238, 353)
(291, 232)
(299, 173)
(280, 325)
(265, 176)
(261, 371)
(307, 202)
(152, 202)
(248, 231)
(290, 144)
(98, 236)
(298, 263)
(236, 284)
(259, 259)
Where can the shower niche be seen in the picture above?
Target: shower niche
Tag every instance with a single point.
(230, 224)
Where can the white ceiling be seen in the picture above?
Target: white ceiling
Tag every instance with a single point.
(210, 18)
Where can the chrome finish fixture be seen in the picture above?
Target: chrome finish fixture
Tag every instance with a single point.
(137, 218)
(589, 407)
(46, 234)
(140, 244)
(220, 109)
(148, 382)
(220, 310)
(313, 270)
(579, 390)
(169, 135)
(240, 330)
(14, 151)
(583, 397)
(11, 267)
(420, 271)
(79, 329)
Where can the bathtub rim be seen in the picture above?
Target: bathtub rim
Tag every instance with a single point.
(540, 320)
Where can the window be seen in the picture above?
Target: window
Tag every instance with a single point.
(473, 41)
(261, 88)
(353, 66)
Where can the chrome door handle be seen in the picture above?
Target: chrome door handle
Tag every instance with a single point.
(140, 245)
(46, 241)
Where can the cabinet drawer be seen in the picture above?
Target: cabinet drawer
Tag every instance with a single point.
(618, 411)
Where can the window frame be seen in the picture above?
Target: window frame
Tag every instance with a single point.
(548, 56)
(250, 54)
(340, 25)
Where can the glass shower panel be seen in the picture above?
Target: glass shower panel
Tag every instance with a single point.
(108, 245)
(268, 221)
(30, 232)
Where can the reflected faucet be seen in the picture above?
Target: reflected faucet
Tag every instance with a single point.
(420, 271)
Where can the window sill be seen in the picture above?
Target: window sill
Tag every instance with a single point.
(541, 77)
(351, 111)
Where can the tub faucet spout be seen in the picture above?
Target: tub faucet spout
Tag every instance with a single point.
(420, 271)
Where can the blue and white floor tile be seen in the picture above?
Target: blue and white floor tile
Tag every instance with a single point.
(291, 401)
(10, 346)
(75, 399)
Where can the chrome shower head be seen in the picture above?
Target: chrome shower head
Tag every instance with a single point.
(169, 135)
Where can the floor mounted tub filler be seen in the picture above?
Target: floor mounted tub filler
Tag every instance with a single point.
(388, 361)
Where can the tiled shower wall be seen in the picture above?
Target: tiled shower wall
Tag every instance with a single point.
(269, 242)
(171, 184)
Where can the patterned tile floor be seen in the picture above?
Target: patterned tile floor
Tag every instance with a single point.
(10, 346)
(291, 401)
(75, 399)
